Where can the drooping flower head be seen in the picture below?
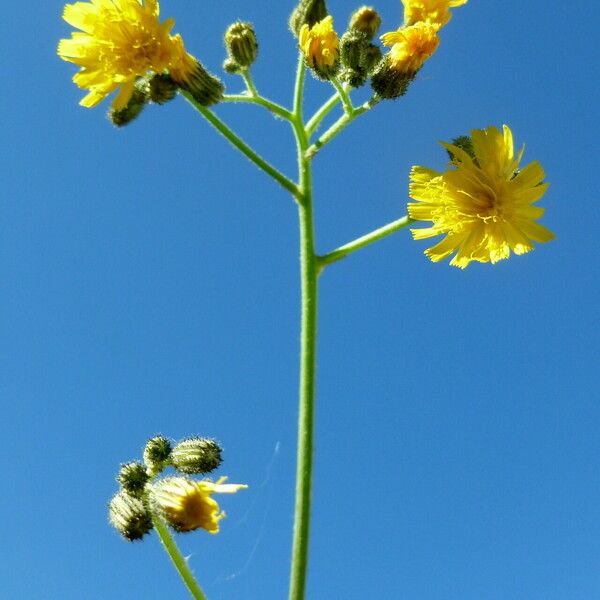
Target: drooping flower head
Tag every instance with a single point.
(483, 204)
(429, 11)
(119, 41)
(187, 504)
(320, 45)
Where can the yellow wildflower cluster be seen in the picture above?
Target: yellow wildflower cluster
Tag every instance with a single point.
(320, 45)
(483, 204)
(119, 41)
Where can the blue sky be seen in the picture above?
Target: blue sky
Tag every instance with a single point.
(149, 284)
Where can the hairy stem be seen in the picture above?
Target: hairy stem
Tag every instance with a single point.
(275, 108)
(314, 122)
(234, 139)
(363, 241)
(306, 409)
(177, 558)
(339, 126)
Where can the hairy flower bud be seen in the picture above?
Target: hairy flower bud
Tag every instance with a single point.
(206, 89)
(464, 142)
(157, 454)
(196, 455)
(308, 12)
(366, 20)
(241, 44)
(161, 88)
(129, 516)
(137, 102)
(133, 477)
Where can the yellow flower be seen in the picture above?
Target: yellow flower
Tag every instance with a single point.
(484, 205)
(187, 504)
(429, 11)
(411, 46)
(320, 45)
(119, 41)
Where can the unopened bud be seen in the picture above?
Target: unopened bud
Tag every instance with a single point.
(129, 516)
(161, 88)
(230, 66)
(388, 82)
(157, 454)
(137, 102)
(133, 477)
(241, 44)
(196, 456)
(366, 20)
(352, 46)
(353, 77)
(308, 12)
(464, 142)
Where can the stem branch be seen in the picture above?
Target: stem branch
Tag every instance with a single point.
(236, 141)
(363, 241)
(340, 125)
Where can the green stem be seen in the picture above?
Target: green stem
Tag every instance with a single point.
(314, 122)
(177, 558)
(348, 108)
(340, 125)
(306, 413)
(275, 108)
(236, 141)
(299, 89)
(363, 241)
(250, 83)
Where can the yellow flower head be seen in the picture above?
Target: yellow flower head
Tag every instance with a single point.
(429, 11)
(484, 205)
(119, 41)
(411, 46)
(187, 505)
(320, 45)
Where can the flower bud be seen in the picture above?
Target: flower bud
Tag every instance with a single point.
(138, 100)
(230, 66)
(352, 46)
(133, 477)
(464, 142)
(129, 516)
(241, 44)
(308, 12)
(196, 455)
(161, 88)
(353, 77)
(207, 89)
(157, 454)
(366, 20)
(320, 45)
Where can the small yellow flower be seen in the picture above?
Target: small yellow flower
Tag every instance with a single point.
(187, 504)
(119, 41)
(484, 205)
(320, 45)
(411, 46)
(429, 11)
